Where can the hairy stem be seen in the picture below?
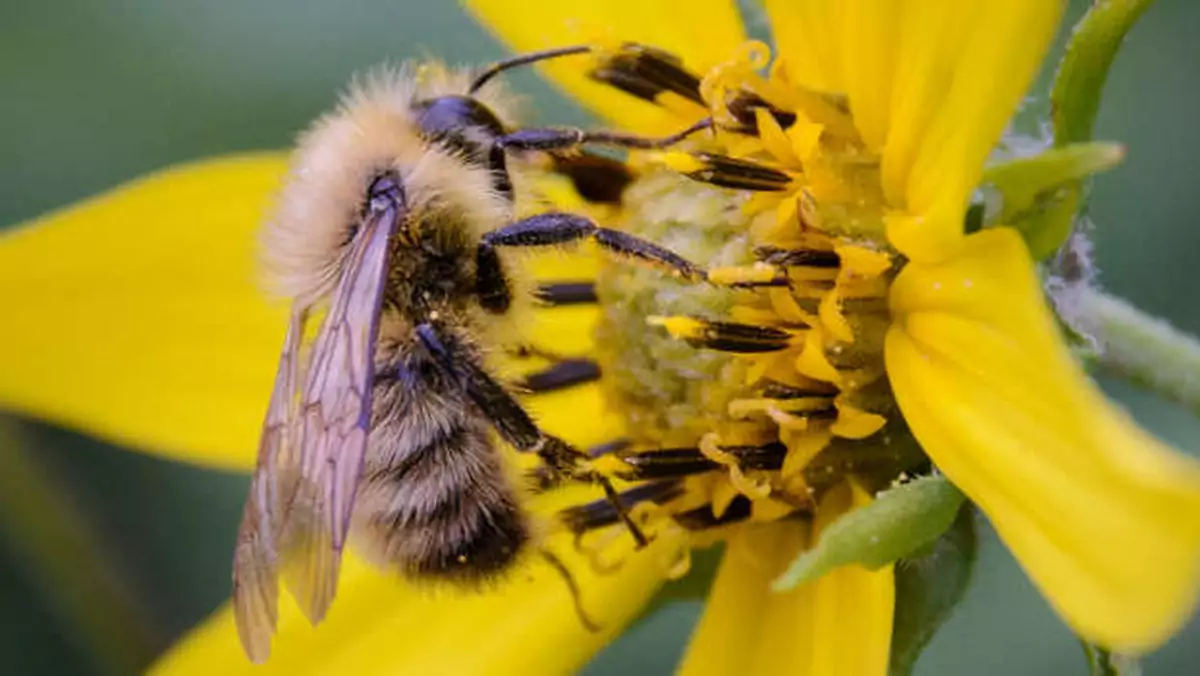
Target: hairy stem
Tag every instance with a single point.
(1145, 350)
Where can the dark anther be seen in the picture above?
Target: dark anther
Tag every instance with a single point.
(742, 106)
(647, 72)
(567, 293)
(601, 513)
(811, 258)
(597, 179)
(564, 374)
(733, 172)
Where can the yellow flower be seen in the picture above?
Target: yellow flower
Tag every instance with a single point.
(890, 108)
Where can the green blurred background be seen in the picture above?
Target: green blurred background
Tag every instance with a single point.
(96, 92)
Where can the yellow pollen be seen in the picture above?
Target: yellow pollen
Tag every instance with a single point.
(684, 163)
(758, 273)
(682, 328)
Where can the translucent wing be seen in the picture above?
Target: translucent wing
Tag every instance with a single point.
(256, 555)
(335, 418)
(301, 498)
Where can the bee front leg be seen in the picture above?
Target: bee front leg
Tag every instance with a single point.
(555, 228)
(513, 423)
(569, 138)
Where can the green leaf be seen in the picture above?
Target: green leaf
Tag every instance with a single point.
(1074, 102)
(929, 588)
(1075, 98)
(899, 522)
(1101, 662)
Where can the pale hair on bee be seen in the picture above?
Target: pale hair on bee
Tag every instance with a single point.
(393, 229)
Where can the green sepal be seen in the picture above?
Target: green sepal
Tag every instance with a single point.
(1040, 194)
(1079, 82)
(929, 588)
(899, 522)
(1026, 181)
(1102, 662)
(1074, 103)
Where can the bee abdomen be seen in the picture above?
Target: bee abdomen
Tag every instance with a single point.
(444, 510)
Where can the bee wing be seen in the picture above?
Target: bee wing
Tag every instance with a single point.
(256, 555)
(335, 419)
(302, 495)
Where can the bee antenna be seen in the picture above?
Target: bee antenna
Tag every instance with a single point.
(524, 60)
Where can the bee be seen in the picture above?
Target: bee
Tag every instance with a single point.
(394, 230)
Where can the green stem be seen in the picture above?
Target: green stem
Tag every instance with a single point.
(53, 542)
(1079, 83)
(1145, 350)
(1102, 662)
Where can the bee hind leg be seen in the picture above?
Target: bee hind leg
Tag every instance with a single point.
(563, 461)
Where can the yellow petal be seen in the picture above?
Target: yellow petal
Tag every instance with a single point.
(135, 315)
(704, 33)
(1104, 518)
(839, 624)
(381, 625)
(930, 83)
(960, 70)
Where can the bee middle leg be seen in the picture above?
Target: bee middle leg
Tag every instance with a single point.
(563, 461)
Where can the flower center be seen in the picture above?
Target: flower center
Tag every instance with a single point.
(747, 396)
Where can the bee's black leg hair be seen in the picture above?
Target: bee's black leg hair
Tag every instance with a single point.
(563, 228)
(566, 138)
(490, 283)
(511, 420)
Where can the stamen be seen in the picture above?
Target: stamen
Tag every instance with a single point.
(813, 258)
(602, 513)
(809, 406)
(567, 293)
(564, 374)
(747, 276)
(725, 171)
(681, 462)
(647, 73)
(724, 336)
(710, 447)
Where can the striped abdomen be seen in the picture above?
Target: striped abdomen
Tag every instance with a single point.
(435, 500)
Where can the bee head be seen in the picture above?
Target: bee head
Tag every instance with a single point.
(466, 126)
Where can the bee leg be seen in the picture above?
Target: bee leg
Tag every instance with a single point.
(512, 422)
(563, 228)
(491, 284)
(567, 138)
